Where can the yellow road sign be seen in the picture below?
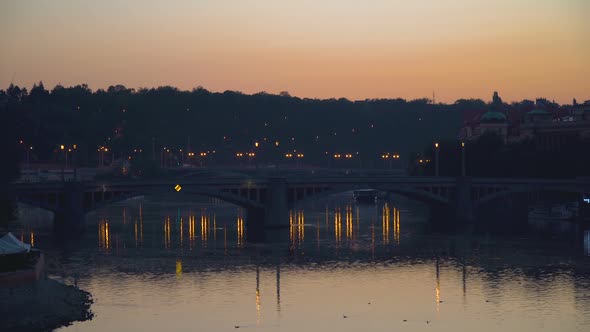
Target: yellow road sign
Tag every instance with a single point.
(177, 187)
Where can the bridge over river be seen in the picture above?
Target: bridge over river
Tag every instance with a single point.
(267, 199)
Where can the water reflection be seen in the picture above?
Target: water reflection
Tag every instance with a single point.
(437, 287)
(191, 230)
(104, 236)
(167, 242)
(587, 242)
(240, 230)
(385, 223)
(258, 307)
(338, 226)
(296, 228)
(342, 265)
(178, 268)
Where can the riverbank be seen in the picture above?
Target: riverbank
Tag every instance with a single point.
(43, 306)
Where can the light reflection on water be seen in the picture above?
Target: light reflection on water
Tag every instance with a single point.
(186, 267)
(587, 242)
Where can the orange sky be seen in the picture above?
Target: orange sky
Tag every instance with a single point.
(320, 48)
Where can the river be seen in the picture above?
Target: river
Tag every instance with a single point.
(156, 264)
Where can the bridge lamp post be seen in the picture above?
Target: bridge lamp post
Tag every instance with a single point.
(385, 158)
(29, 156)
(62, 148)
(299, 158)
(463, 172)
(436, 145)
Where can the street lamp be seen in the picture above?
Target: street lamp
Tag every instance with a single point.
(463, 170)
(436, 159)
(299, 157)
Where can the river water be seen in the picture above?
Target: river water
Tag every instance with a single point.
(155, 264)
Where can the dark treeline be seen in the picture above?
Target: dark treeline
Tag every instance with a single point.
(9, 169)
(127, 121)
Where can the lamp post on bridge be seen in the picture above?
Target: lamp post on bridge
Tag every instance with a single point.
(436, 159)
(463, 171)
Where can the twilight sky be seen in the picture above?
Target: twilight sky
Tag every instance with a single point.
(311, 48)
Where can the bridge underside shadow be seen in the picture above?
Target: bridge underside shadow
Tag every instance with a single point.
(451, 201)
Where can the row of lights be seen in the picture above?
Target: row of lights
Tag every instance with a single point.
(245, 154)
(291, 155)
(346, 156)
(63, 147)
(22, 142)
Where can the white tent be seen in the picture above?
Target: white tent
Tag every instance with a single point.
(11, 245)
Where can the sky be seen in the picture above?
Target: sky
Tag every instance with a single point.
(524, 49)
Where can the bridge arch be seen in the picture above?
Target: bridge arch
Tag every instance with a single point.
(91, 200)
(420, 195)
(521, 190)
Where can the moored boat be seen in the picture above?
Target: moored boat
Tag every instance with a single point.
(19, 263)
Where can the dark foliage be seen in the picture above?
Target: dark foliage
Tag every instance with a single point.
(125, 120)
(489, 156)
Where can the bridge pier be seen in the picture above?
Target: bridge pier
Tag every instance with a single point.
(255, 218)
(508, 214)
(464, 210)
(277, 204)
(70, 213)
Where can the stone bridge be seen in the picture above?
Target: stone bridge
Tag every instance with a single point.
(267, 200)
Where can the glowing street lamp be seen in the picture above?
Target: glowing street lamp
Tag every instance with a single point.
(436, 159)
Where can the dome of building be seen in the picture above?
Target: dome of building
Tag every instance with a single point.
(493, 117)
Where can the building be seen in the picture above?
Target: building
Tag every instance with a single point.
(551, 132)
(493, 121)
(544, 124)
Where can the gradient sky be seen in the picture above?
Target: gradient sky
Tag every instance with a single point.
(311, 48)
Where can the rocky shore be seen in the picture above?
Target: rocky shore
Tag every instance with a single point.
(42, 306)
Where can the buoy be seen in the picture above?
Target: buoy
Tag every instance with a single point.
(344, 316)
(237, 326)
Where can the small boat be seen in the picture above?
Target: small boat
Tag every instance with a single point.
(19, 263)
(366, 196)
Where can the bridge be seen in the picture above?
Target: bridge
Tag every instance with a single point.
(267, 199)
